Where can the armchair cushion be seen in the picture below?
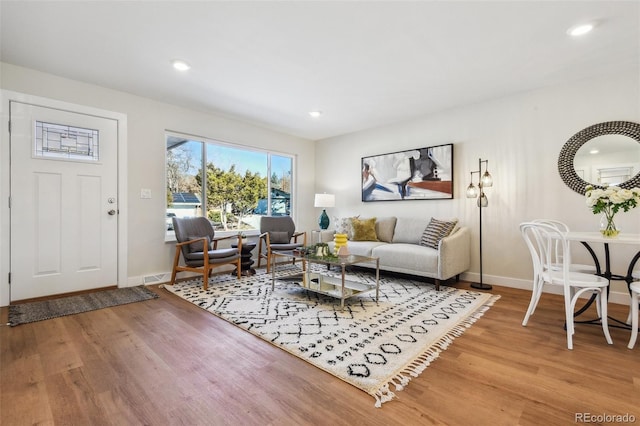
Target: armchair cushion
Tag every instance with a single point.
(279, 237)
(197, 245)
(285, 247)
(213, 255)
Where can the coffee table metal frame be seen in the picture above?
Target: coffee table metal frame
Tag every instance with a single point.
(340, 288)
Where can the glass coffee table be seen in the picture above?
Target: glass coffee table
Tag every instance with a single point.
(320, 283)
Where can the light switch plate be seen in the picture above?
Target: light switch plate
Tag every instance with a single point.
(145, 193)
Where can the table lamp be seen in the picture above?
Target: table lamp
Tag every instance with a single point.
(324, 200)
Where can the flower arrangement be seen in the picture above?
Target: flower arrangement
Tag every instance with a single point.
(319, 250)
(609, 201)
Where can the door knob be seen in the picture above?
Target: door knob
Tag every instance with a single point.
(111, 212)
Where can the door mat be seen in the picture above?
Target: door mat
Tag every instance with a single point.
(24, 313)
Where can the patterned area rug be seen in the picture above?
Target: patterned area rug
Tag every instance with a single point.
(24, 313)
(376, 347)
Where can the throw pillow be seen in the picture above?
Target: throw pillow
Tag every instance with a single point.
(343, 225)
(435, 231)
(385, 227)
(364, 230)
(279, 237)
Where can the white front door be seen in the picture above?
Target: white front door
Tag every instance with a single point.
(64, 210)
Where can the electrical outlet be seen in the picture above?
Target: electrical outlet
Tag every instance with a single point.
(145, 193)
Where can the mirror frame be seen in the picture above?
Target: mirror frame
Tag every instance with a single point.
(571, 147)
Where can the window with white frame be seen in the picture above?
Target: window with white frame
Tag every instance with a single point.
(230, 185)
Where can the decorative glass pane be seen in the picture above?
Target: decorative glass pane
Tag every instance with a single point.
(61, 142)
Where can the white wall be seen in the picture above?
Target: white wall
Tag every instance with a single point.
(147, 122)
(521, 136)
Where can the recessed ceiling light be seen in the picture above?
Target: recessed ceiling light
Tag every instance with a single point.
(594, 151)
(180, 65)
(315, 114)
(579, 30)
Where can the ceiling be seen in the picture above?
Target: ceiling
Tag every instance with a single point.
(364, 64)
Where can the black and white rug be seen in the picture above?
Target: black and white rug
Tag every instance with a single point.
(377, 347)
(24, 313)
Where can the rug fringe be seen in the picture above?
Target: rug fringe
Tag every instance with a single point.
(418, 365)
(382, 395)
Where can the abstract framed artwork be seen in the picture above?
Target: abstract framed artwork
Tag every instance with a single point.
(415, 174)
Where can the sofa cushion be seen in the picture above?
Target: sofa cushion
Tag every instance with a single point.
(435, 231)
(343, 225)
(409, 258)
(409, 230)
(385, 227)
(361, 248)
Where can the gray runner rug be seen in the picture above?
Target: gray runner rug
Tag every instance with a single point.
(24, 313)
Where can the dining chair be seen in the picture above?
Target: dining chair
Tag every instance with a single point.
(196, 241)
(557, 249)
(635, 299)
(278, 233)
(539, 238)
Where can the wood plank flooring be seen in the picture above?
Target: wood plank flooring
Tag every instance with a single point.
(166, 362)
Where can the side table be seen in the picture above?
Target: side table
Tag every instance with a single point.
(247, 261)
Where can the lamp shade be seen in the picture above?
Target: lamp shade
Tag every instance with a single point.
(487, 180)
(325, 200)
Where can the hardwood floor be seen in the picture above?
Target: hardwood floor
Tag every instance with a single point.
(166, 362)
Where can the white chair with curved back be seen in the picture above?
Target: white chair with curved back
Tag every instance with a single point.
(540, 237)
(635, 299)
(557, 249)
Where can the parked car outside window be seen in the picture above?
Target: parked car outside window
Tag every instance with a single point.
(169, 221)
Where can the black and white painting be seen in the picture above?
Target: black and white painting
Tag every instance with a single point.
(416, 174)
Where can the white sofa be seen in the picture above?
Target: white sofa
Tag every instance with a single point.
(399, 249)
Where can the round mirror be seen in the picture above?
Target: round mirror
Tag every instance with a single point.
(603, 154)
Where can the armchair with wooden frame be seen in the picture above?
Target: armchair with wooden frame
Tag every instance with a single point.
(278, 233)
(196, 241)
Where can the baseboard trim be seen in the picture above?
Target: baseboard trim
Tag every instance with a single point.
(618, 297)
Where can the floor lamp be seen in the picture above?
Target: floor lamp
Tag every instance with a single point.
(484, 180)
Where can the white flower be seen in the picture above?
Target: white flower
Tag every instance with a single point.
(625, 194)
(616, 198)
(610, 200)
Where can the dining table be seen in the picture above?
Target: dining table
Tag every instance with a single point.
(587, 239)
